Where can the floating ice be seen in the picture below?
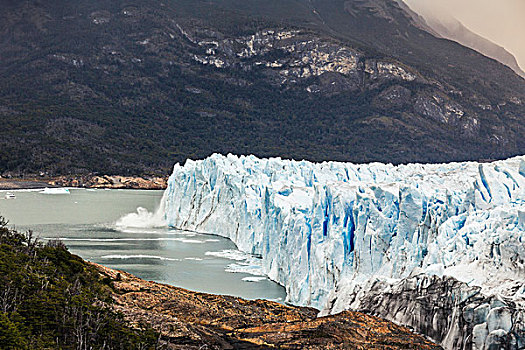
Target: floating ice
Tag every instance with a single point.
(251, 268)
(254, 279)
(55, 191)
(229, 254)
(110, 240)
(138, 256)
(246, 263)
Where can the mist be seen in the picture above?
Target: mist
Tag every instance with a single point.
(501, 21)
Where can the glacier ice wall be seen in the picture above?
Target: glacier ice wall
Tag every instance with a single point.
(331, 233)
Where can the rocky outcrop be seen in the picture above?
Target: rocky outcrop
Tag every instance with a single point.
(450, 312)
(86, 181)
(191, 320)
(295, 59)
(443, 110)
(290, 57)
(394, 98)
(105, 181)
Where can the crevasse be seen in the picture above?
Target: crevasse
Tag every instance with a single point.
(320, 228)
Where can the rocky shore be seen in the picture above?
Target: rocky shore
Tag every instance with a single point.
(191, 320)
(116, 181)
(87, 181)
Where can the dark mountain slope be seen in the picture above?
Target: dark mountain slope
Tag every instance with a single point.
(132, 87)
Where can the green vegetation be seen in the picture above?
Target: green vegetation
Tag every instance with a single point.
(112, 87)
(51, 299)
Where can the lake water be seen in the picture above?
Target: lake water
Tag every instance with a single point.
(85, 220)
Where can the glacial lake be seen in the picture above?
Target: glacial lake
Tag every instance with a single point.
(86, 221)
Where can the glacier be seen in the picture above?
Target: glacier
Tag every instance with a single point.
(437, 247)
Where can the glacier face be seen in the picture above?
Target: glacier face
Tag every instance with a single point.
(331, 233)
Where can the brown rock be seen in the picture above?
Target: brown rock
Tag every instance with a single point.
(116, 182)
(191, 320)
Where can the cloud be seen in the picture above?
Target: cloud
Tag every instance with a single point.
(501, 21)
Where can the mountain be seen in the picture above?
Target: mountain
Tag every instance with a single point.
(448, 27)
(129, 87)
(458, 32)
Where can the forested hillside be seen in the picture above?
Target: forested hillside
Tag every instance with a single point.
(51, 299)
(131, 87)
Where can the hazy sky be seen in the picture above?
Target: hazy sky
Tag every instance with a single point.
(501, 21)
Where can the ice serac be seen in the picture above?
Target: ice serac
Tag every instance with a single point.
(437, 247)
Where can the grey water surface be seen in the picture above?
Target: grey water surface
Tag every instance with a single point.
(85, 220)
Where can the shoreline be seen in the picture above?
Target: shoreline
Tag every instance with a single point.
(192, 320)
(85, 181)
(23, 184)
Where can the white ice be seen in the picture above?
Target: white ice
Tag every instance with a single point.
(320, 228)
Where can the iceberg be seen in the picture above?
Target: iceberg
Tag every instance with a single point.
(59, 190)
(375, 237)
